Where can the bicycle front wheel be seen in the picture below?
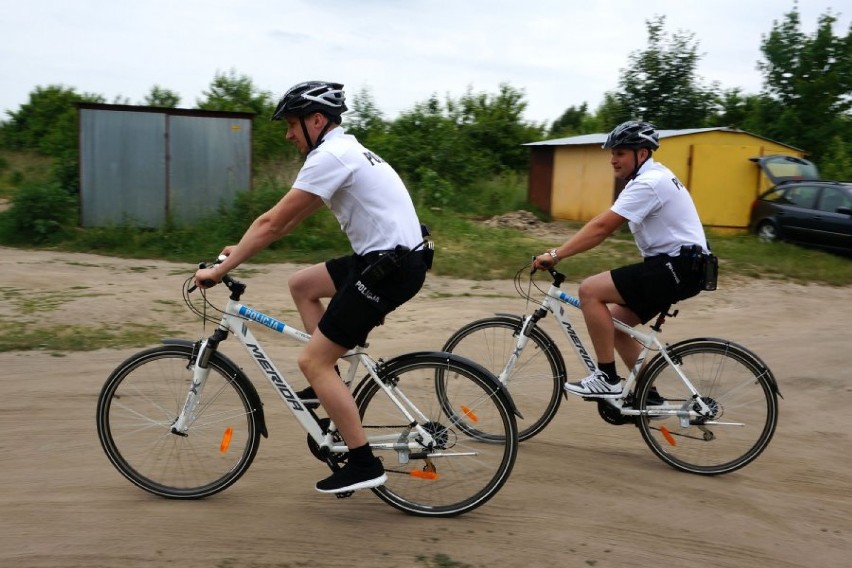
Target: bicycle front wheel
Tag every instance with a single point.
(535, 382)
(458, 472)
(141, 400)
(733, 383)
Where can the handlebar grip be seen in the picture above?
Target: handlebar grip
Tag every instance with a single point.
(226, 280)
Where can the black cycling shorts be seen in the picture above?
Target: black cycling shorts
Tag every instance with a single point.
(649, 287)
(356, 308)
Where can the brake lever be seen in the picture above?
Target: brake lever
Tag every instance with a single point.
(207, 282)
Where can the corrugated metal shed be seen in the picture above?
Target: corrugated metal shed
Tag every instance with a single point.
(143, 165)
(571, 178)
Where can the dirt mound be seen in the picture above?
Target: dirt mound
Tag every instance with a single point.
(521, 220)
(555, 233)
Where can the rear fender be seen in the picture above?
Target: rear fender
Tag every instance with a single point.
(675, 348)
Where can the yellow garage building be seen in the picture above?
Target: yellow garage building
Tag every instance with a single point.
(571, 179)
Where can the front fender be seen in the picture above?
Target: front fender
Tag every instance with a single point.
(236, 374)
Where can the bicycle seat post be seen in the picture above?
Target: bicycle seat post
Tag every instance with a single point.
(661, 319)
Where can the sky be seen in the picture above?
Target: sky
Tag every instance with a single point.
(559, 53)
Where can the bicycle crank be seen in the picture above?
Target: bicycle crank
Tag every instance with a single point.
(322, 454)
(613, 415)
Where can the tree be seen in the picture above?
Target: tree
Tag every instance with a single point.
(494, 124)
(661, 85)
(570, 123)
(425, 147)
(807, 79)
(162, 97)
(364, 120)
(738, 110)
(47, 123)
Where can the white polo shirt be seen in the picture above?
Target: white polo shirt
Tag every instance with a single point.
(365, 193)
(660, 212)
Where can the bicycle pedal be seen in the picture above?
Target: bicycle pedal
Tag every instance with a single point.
(344, 494)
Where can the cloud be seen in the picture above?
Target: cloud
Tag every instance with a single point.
(561, 53)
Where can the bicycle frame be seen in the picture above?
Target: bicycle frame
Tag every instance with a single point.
(234, 320)
(554, 302)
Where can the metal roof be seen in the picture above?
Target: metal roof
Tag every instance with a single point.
(599, 139)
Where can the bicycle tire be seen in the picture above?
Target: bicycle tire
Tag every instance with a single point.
(461, 472)
(734, 382)
(141, 400)
(539, 373)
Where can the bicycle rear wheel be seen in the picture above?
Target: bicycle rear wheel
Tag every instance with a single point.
(733, 382)
(141, 400)
(460, 472)
(536, 380)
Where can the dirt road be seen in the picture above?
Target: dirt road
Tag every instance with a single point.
(583, 493)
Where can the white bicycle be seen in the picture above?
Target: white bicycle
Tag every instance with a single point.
(703, 405)
(183, 421)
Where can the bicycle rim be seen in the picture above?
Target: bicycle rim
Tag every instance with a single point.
(536, 380)
(735, 385)
(137, 407)
(461, 472)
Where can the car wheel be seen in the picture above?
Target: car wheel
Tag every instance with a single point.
(767, 232)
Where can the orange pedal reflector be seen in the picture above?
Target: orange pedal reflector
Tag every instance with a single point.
(469, 413)
(424, 474)
(226, 439)
(667, 435)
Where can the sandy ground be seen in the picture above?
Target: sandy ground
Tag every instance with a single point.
(583, 493)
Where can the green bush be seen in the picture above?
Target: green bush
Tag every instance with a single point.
(40, 213)
(494, 196)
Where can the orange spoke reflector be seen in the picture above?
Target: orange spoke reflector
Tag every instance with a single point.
(469, 413)
(424, 474)
(226, 439)
(667, 435)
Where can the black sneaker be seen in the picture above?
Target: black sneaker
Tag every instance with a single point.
(654, 398)
(308, 398)
(352, 478)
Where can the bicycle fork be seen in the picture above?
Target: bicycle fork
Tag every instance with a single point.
(524, 331)
(200, 371)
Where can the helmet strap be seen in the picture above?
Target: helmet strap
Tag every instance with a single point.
(636, 161)
(311, 144)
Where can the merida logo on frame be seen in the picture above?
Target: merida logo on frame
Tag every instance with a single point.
(279, 383)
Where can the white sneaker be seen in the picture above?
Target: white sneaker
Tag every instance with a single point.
(594, 386)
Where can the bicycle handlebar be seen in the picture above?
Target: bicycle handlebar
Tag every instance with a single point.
(226, 279)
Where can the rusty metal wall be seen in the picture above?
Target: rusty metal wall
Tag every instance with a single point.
(209, 163)
(122, 168)
(141, 166)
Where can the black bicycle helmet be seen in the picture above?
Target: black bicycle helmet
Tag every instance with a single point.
(312, 96)
(633, 134)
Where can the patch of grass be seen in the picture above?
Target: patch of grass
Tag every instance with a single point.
(17, 336)
(746, 255)
(30, 302)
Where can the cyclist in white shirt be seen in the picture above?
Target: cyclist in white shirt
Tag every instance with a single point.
(669, 234)
(385, 270)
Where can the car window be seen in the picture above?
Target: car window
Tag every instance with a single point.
(802, 195)
(776, 194)
(780, 168)
(834, 197)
